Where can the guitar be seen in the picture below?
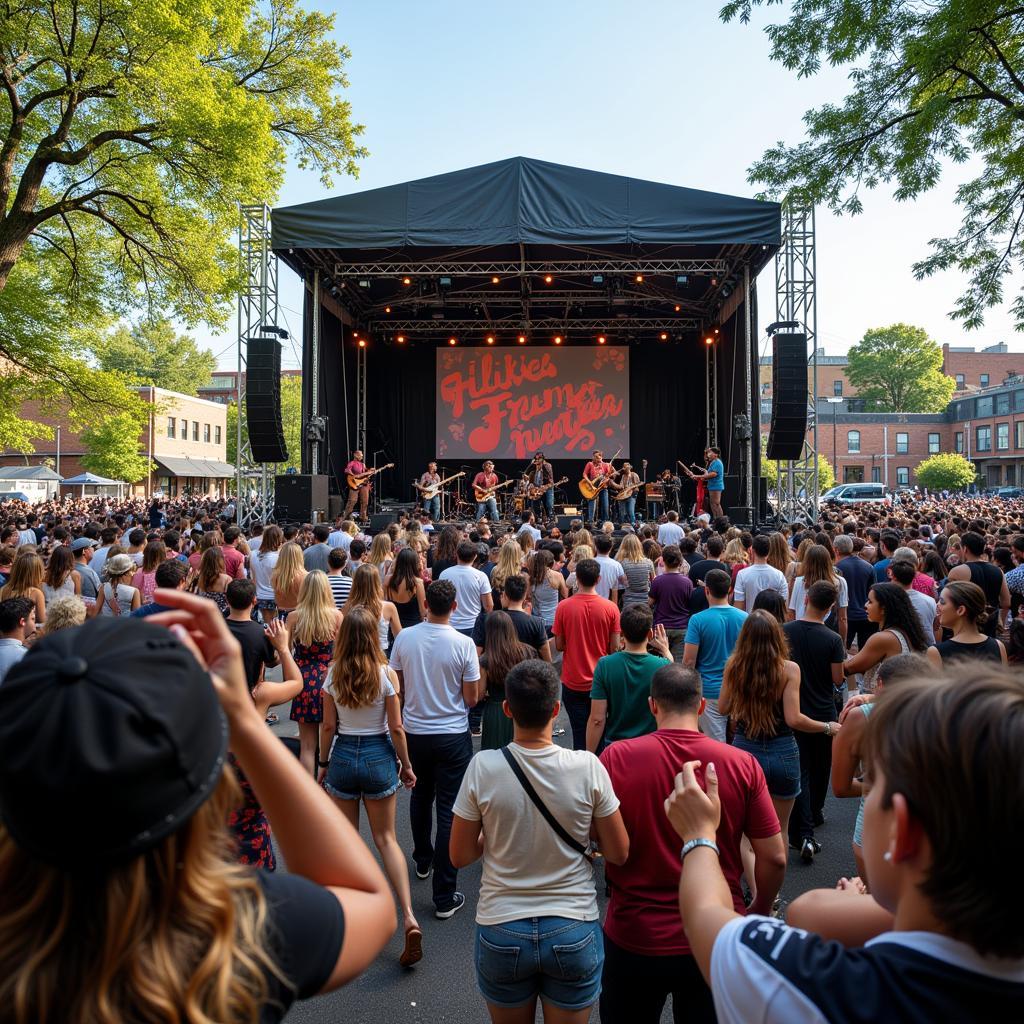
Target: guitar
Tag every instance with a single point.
(483, 493)
(433, 490)
(357, 480)
(535, 492)
(625, 493)
(590, 490)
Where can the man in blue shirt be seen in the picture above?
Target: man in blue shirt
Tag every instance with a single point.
(710, 637)
(715, 477)
(888, 542)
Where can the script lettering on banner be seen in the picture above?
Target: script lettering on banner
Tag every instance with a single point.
(510, 402)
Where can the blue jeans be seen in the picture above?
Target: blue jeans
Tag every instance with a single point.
(598, 503)
(627, 511)
(556, 958)
(362, 766)
(779, 760)
(488, 508)
(432, 506)
(544, 506)
(577, 707)
(439, 761)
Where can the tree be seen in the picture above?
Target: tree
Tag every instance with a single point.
(112, 448)
(899, 368)
(769, 470)
(129, 132)
(152, 353)
(930, 83)
(946, 471)
(291, 420)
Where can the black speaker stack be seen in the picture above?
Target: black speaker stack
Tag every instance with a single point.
(789, 397)
(263, 401)
(298, 497)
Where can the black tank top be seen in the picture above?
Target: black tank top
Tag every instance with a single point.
(990, 578)
(987, 650)
(781, 728)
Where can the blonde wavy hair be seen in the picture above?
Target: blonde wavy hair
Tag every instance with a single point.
(380, 550)
(289, 566)
(26, 572)
(735, 553)
(510, 563)
(315, 616)
(64, 612)
(355, 674)
(367, 592)
(583, 538)
(177, 934)
(630, 550)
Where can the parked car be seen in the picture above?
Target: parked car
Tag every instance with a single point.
(1008, 492)
(848, 494)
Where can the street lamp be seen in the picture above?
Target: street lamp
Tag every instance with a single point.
(835, 463)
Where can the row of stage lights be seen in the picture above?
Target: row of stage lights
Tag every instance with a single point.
(445, 282)
(710, 337)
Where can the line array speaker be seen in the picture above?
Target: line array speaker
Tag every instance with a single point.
(789, 397)
(263, 401)
(297, 496)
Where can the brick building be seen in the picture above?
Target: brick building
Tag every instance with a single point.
(185, 436)
(223, 388)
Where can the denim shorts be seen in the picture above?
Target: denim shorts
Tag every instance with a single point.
(362, 766)
(556, 958)
(779, 760)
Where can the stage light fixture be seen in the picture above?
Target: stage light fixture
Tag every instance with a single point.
(664, 336)
(558, 339)
(362, 343)
(495, 280)
(406, 280)
(639, 278)
(522, 339)
(597, 279)
(400, 339)
(681, 279)
(387, 309)
(490, 339)
(601, 339)
(714, 282)
(364, 282)
(678, 308)
(453, 341)
(548, 279)
(444, 282)
(709, 340)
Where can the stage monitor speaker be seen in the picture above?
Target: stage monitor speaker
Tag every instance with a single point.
(565, 522)
(740, 515)
(382, 520)
(335, 504)
(263, 401)
(297, 496)
(789, 397)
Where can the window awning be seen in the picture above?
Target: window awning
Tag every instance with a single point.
(211, 468)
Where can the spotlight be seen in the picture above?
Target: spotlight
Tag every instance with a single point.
(714, 282)
(453, 341)
(597, 279)
(387, 309)
(601, 339)
(355, 334)
(400, 339)
(522, 339)
(639, 278)
(490, 339)
(548, 279)
(362, 343)
(681, 279)
(444, 282)
(663, 336)
(709, 340)
(678, 308)
(364, 282)
(558, 339)
(406, 280)
(495, 280)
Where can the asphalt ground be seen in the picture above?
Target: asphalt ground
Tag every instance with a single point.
(442, 987)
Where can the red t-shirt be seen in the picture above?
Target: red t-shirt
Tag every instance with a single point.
(643, 913)
(591, 472)
(233, 562)
(355, 468)
(485, 480)
(586, 622)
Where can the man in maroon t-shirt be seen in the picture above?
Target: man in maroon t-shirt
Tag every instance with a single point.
(355, 468)
(646, 953)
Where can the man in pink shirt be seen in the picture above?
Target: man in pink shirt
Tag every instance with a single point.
(355, 468)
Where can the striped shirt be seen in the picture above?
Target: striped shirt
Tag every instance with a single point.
(341, 587)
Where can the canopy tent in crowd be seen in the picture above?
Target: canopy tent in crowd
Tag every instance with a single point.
(96, 485)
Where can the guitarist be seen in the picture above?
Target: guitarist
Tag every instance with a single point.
(432, 506)
(596, 470)
(356, 468)
(489, 506)
(541, 475)
(627, 486)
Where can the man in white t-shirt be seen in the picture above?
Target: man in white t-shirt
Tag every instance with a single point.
(439, 673)
(612, 578)
(472, 589)
(537, 893)
(757, 577)
(671, 532)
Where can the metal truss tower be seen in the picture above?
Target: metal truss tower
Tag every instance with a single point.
(257, 308)
(796, 301)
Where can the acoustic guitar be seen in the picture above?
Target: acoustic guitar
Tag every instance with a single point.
(357, 480)
(431, 491)
(537, 490)
(625, 493)
(483, 493)
(591, 490)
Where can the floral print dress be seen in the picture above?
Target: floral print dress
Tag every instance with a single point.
(314, 662)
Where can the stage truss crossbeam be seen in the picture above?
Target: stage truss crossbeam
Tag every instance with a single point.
(796, 300)
(532, 267)
(547, 324)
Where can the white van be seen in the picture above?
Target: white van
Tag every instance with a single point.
(848, 494)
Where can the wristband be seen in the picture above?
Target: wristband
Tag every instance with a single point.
(694, 843)
(323, 764)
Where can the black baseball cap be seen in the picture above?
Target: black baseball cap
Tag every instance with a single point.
(112, 738)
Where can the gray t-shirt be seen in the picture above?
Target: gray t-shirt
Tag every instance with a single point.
(315, 557)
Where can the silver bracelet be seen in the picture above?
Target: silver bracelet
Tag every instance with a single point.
(694, 843)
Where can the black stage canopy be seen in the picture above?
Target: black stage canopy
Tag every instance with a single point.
(525, 251)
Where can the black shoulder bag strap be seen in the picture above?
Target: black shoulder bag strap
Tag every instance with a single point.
(583, 851)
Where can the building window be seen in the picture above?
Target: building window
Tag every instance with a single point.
(984, 407)
(170, 426)
(876, 474)
(1018, 434)
(853, 474)
(1011, 474)
(958, 442)
(1002, 437)
(959, 382)
(184, 430)
(902, 476)
(195, 430)
(206, 433)
(902, 443)
(1003, 404)
(216, 435)
(994, 475)
(853, 441)
(983, 439)
(983, 380)
(837, 388)
(933, 444)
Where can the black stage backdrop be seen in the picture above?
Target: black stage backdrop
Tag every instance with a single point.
(667, 408)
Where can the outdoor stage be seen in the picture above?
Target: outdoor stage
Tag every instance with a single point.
(521, 305)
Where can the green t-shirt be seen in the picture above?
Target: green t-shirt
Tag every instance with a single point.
(624, 681)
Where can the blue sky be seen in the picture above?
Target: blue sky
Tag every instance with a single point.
(653, 89)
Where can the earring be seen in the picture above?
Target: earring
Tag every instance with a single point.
(887, 856)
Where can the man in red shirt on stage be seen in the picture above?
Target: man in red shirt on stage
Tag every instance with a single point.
(354, 468)
(586, 629)
(646, 953)
(488, 507)
(595, 470)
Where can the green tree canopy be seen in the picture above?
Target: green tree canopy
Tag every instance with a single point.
(899, 368)
(129, 132)
(946, 471)
(770, 470)
(152, 353)
(112, 448)
(930, 83)
(291, 420)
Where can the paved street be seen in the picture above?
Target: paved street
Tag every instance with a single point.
(442, 987)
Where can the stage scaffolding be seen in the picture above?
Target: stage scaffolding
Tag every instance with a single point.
(796, 301)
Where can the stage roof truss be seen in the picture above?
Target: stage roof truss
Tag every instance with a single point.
(568, 326)
(532, 268)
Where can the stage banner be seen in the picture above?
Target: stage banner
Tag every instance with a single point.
(507, 403)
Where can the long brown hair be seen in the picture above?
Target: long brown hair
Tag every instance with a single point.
(355, 675)
(26, 573)
(817, 566)
(178, 933)
(154, 555)
(366, 591)
(211, 566)
(502, 651)
(60, 567)
(756, 674)
(780, 555)
(539, 564)
(273, 538)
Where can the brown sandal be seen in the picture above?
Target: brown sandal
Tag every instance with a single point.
(413, 952)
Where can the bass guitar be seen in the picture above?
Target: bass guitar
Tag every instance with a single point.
(590, 490)
(431, 491)
(483, 493)
(536, 491)
(357, 480)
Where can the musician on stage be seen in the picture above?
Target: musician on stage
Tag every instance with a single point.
(626, 506)
(541, 474)
(483, 480)
(714, 477)
(362, 493)
(671, 485)
(596, 470)
(432, 506)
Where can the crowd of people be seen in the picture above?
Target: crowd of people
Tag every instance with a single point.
(717, 683)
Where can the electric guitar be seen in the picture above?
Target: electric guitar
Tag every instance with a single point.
(357, 480)
(591, 490)
(431, 491)
(537, 490)
(483, 493)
